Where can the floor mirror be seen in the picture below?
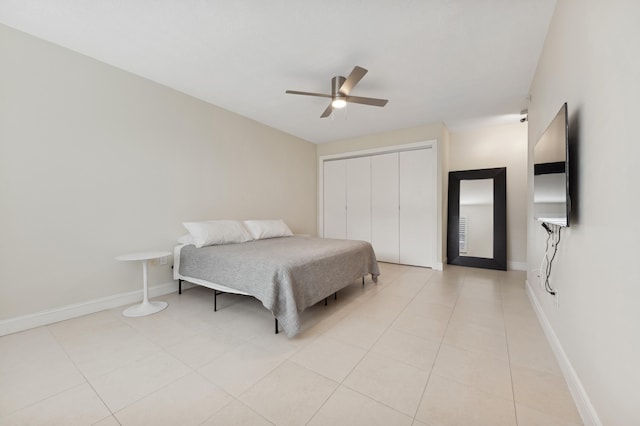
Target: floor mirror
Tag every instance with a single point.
(477, 218)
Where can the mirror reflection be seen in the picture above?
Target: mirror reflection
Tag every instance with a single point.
(476, 218)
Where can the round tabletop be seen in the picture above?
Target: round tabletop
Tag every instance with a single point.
(144, 255)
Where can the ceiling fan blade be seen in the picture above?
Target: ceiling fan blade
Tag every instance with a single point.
(353, 79)
(367, 101)
(295, 92)
(327, 112)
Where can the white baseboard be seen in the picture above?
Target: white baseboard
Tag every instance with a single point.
(439, 266)
(516, 266)
(583, 403)
(50, 316)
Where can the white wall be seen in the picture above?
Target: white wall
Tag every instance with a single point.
(499, 146)
(590, 60)
(96, 162)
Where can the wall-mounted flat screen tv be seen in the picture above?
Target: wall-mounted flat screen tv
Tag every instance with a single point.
(551, 201)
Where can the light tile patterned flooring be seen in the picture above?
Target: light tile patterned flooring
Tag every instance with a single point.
(421, 347)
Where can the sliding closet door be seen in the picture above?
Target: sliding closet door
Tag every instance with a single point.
(418, 207)
(388, 199)
(384, 207)
(334, 199)
(359, 198)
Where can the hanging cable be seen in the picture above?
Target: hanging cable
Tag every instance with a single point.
(544, 265)
(555, 245)
(554, 235)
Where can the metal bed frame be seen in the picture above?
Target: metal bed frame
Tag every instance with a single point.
(217, 293)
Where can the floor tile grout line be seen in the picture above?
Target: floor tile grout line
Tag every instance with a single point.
(86, 381)
(154, 391)
(256, 381)
(346, 375)
(130, 362)
(490, 356)
(460, 281)
(323, 402)
(40, 401)
(368, 351)
(231, 401)
(83, 375)
(424, 389)
(379, 402)
(506, 336)
(288, 358)
(350, 371)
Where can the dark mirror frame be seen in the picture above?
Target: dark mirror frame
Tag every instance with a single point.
(499, 260)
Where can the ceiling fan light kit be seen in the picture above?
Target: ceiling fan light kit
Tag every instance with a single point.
(340, 89)
(338, 102)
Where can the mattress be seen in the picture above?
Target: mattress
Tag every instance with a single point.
(286, 274)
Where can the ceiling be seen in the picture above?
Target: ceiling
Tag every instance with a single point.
(466, 63)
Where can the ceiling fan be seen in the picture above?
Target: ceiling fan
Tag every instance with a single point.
(340, 89)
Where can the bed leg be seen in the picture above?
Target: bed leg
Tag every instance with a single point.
(179, 286)
(216, 293)
(325, 301)
(363, 281)
(276, 325)
(335, 296)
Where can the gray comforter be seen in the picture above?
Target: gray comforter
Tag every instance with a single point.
(286, 274)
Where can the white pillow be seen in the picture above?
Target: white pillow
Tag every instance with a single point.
(186, 239)
(261, 229)
(215, 232)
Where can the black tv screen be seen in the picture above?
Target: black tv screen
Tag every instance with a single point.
(551, 201)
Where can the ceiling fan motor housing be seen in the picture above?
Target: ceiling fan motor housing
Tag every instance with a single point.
(336, 84)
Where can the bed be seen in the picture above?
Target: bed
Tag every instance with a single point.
(287, 274)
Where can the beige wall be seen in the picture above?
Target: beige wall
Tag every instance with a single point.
(431, 132)
(500, 146)
(590, 61)
(379, 140)
(96, 162)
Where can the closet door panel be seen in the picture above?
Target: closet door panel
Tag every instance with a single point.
(384, 207)
(334, 199)
(359, 198)
(418, 207)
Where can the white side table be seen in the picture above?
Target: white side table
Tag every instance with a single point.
(146, 307)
